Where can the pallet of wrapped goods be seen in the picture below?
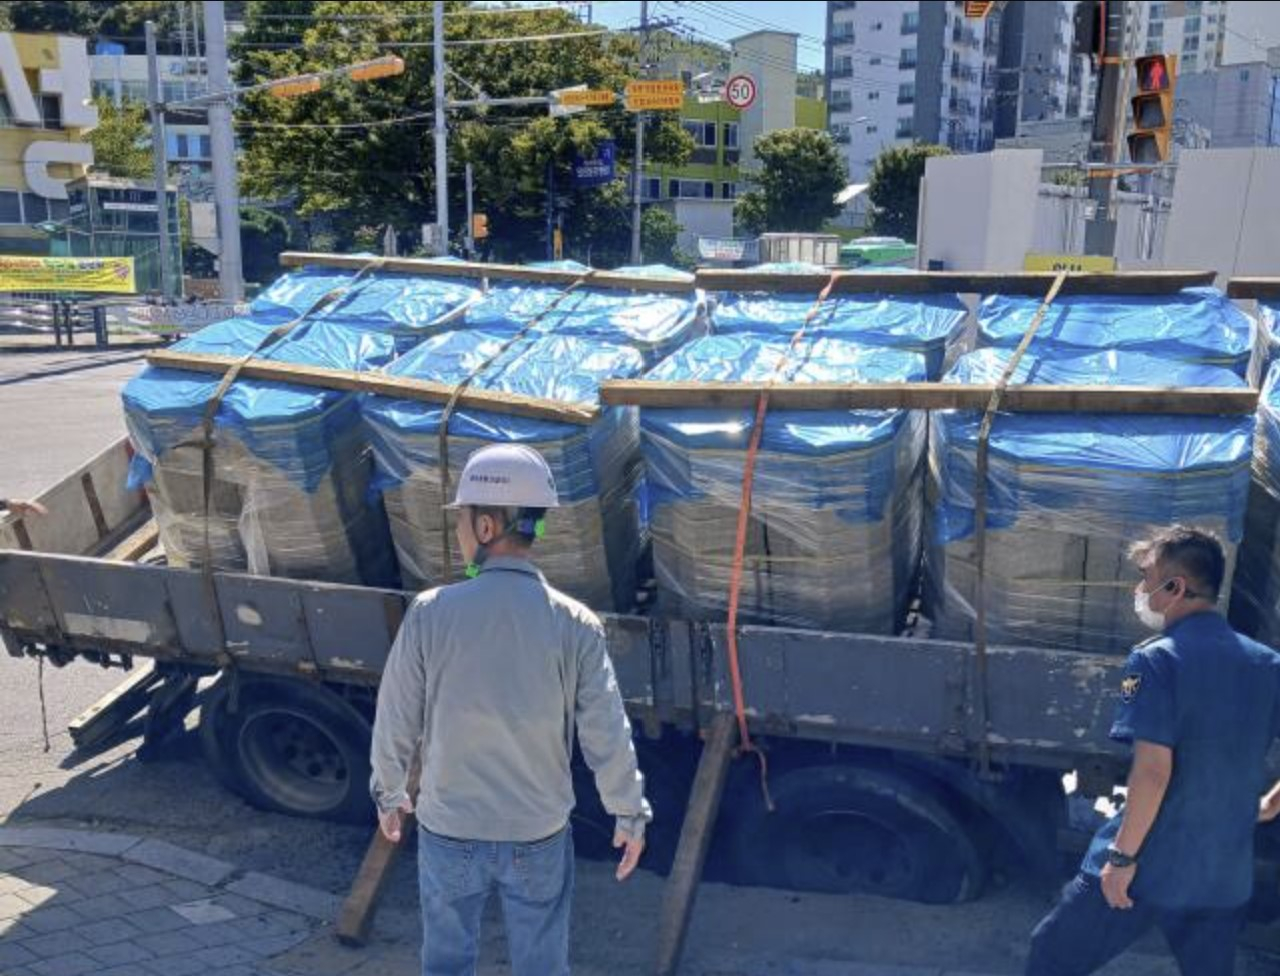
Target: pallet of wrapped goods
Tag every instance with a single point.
(1194, 325)
(1067, 494)
(654, 322)
(834, 533)
(936, 326)
(593, 541)
(1255, 598)
(291, 465)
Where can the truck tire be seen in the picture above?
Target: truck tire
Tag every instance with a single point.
(290, 746)
(842, 829)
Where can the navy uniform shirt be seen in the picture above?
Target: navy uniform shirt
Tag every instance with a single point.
(1213, 697)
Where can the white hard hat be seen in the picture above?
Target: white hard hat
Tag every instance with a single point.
(506, 476)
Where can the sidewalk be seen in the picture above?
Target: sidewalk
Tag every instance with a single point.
(83, 903)
(87, 903)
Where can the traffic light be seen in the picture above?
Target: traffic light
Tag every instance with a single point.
(1086, 37)
(1152, 133)
(479, 226)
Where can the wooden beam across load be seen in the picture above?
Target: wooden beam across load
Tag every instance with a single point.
(1195, 401)
(502, 272)
(1262, 288)
(930, 282)
(398, 387)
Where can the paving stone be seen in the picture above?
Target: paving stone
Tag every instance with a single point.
(180, 965)
(120, 954)
(141, 875)
(36, 895)
(13, 955)
(100, 907)
(53, 918)
(217, 934)
(156, 920)
(269, 926)
(12, 859)
(273, 946)
(11, 906)
(51, 872)
(168, 943)
(183, 890)
(102, 883)
(175, 860)
(57, 839)
(287, 895)
(238, 905)
(9, 883)
(151, 896)
(55, 944)
(221, 957)
(107, 931)
(12, 930)
(70, 964)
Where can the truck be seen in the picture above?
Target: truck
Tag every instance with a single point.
(906, 766)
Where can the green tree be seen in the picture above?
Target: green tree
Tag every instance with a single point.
(119, 19)
(802, 171)
(894, 189)
(263, 235)
(361, 154)
(121, 140)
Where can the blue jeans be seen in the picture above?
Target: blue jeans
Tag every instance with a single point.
(534, 882)
(1083, 933)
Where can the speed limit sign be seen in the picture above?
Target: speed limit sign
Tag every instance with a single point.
(740, 91)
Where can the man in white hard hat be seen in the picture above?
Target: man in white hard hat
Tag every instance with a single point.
(487, 681)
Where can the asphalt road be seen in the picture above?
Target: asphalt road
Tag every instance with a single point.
(56, 409)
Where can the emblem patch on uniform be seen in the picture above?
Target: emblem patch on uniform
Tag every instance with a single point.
(1129, 687)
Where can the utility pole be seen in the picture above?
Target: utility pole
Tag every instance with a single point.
(442, 165)
(1100, 231)
(471, 214)
(637, 170)
(222, 142)
(159, 160)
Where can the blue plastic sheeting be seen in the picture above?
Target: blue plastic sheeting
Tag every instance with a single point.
(834, 532)
(565, 368)
(1197, 325)
(407, 307)
(1094, 473)
(656, 324)
(930, 325)
(593, 540)
(295, 293)
(749, 358)
(1255, 598)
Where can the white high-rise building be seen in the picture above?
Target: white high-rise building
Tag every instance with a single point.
(1194, 30)
(899, 71)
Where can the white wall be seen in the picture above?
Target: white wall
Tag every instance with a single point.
(1251, 29)
(1226, 212)
(701, 218)
(978, 212)
(770, 58)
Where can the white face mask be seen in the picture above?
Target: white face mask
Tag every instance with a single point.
(1142, 607)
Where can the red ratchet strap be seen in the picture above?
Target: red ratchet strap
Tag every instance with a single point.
(740, 541)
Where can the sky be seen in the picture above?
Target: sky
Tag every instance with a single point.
(718, 21)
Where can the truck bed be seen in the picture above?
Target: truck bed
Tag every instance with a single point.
(1045, 707)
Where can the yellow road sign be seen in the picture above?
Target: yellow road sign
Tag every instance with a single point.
(659, 103)
(1091, 263)
(588, 97)
(662, 86)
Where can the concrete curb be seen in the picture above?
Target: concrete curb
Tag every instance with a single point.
(181, 863)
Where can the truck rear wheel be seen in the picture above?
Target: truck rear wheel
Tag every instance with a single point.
(845, 828)
(290, 746)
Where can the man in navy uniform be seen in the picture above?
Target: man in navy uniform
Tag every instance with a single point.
(1201, 705)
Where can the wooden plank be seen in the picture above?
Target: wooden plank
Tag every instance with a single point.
(355, 917)
(110, 713)
(1261, 288)
(398, 387)
(136, 545)
(695, 839)
(1197, 401)
(95, 506)
(922, 282)
(494, 272)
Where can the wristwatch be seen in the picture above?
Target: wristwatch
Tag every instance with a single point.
(1119, 859)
